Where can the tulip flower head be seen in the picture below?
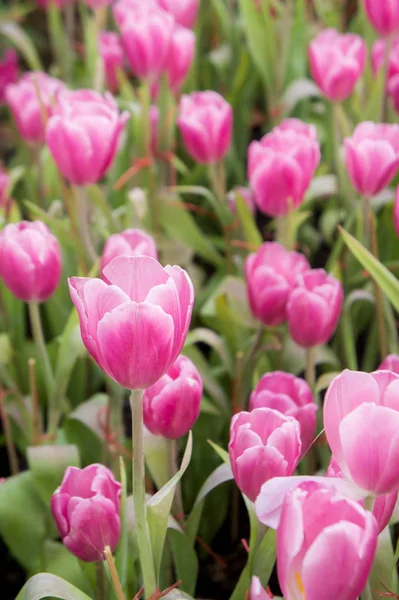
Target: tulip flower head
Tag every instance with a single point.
(383, 15)
(390, 363)
(131, 242)
(184, 11)
(111, 52)
(8, 72)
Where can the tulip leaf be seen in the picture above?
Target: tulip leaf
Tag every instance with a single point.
(382, 577)
(185, 560)
(260, 34)
(159, 506)
(45, 585)
(215, 341)
(384, 278)
(250, 230)
(265, 557)
(222, 453)
(16, 35)
(83, 428)
(47, 465)
(59, 561)
(242, 586)
(156, 457)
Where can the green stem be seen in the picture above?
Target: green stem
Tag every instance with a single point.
(178, 510)
(140, 510)
(310, 367)
(82, 210)
(384, 99)
(100, 591)
(218, 184)
(147, 152)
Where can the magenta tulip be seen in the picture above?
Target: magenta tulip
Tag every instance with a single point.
(361, 420)
(8, 72)
(383, 15)
(281, 166)
(245, 193)
(263, 444)
(337, 60)
(181, 54)
(135, 327)
(378, 57)
(184, 11)
(270, 275)
(314, 307)
(390, 363)
(30, 260)
(131, 242)
(325, 545)
(372, 156)
(111, 52)
(172, 405)
(83, 135)
(32, 102)
(257, 592)
(86, 511)
(292, 397)
(206, 123)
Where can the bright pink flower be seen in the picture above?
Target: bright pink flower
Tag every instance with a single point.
(390, 363)
(263, 444)
(361, 420)
(257, 592)
(86, 511)
(206, 123)
(4, 187)
(111, 52)
(372, 156)
(325, 545)
(270, 275)
(8, 72)
(245, 193)
(135, 327)
(292, 397)
(83, 135)
(378, 57)
(181, 54)
(125, 9)
(146, 32)
(337, 60)
(314, 307)
(281, 166)
(30, 260)
(131, 242)
(383, 505)
(172, 405)
(184, 11)
(383, 15)
(34, 94)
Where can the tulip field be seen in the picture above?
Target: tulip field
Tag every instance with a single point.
(199, 298)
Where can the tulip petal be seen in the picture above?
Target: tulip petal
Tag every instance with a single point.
(135, 275)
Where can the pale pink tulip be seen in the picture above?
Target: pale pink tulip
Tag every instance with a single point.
(111, 52)
(390, 363)
(181, 54)
(131, 242)
(383, 15)
(184, 11)
(8, 72)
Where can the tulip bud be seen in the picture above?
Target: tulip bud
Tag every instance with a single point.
(184, 11)
(172, 405)
(32, 102)
(205, 122)
(383, 15)
(30, 260)
(86, 511)
(314, 307)
(181, 54)
(390, 363)
(111, 52)
(292, 397)
(8, 72)
(372, 156)
(281, 166)
(263, 444)
(133, 242)
(270, 275)
(337, 60)
(135, 327)
(83, 135)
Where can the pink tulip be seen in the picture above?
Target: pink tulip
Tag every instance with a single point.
(257, 592)
(135, 327)
(206, 123)
(83, 135)
(125, 9)
(181, 54)
(131, 242)
(270, 275)
(263, 444)
(86, 511)
(184, 11)
(245, 193)
(172, 405)
(8, 72)
(361, 420)
(314, 307)
(30, 260)
(32, 102)
(281, 166)
(390, 363)
(383, 15)
(5, 181)
(378, 57)
(146, 32)
(325, 545)
(383, 505)
(372, 156)
(292, 397)
(111, 52)
(337, 60)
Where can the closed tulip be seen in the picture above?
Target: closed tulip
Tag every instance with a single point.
(134, 327)
(281, 166)
(30, 260)
(263, 444)
(111, 52)
(184, 11)
(390, 363)
(8, 72)
(337, 60)
(181, 54)
(372, 156)
(314, 307)
(131, 242)
(86, 511)
(83, 135)
(325, 545)
(32, 101)
(361, 420)
(206, 122)
(292, 397)
(383, 15)
(270, 274)
(172, 405)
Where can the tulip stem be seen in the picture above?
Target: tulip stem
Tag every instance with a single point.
(140, 509)
(82, 210)
(178, 510)
(217, 180)
(100, 592)
(310, 367)
(384, 99)
(153, 196)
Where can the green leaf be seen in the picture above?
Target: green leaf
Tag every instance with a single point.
(250, 230)
(156, 457)
(382, 576)
(59, 561)
(242, 586)
(265, 557)
(215, 341)
(83, 428)
(45, 585)
(260, 37)
(71, 348)
(16, 35)
(221, 452)
(185, 560)
(47, 465)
